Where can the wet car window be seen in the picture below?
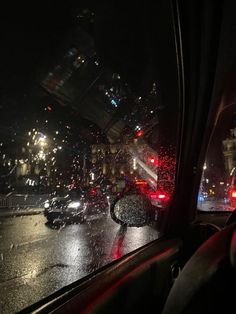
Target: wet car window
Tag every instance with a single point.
(218, 183)
(79, 128)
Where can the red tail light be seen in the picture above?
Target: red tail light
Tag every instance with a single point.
(160, 196)
(140, 182)
(153, 196)
(233, 194)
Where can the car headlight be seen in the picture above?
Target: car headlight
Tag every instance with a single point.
(74, 205)
(46, 205)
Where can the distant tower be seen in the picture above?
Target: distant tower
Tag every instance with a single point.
(229, 151)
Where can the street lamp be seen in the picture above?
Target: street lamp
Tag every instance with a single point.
(42, 141)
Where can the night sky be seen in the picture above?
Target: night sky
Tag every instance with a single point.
(31, 39)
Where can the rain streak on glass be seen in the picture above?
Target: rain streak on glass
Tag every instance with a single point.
(75, 138)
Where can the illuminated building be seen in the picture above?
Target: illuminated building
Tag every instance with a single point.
(112, 161)
(229, 151)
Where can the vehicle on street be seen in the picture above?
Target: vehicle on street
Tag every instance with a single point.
(157, 197)
(95, 200)
(64, 209)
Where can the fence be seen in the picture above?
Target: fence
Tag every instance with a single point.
(22, 200)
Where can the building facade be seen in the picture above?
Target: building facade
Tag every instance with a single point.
(229, 151)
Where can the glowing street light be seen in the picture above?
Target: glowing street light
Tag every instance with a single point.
(42, 155)
(42, 141)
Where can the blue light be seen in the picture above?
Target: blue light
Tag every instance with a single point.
(200, 198)
(114, 103)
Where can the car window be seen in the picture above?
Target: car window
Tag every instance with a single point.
(218, 183)
(83, 119)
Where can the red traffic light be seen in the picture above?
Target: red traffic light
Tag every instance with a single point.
(153, 161)
(139, 133)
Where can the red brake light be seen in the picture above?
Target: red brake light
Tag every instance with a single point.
(161, 196)
(141, 183)
(153, 195)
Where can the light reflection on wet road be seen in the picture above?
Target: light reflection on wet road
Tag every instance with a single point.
(36, 259)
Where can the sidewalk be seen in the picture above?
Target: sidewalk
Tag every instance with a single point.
(16, 212)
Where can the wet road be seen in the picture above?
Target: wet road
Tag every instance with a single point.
(216, 205)
(37, 259)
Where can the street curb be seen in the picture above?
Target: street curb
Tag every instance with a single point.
(20, 213)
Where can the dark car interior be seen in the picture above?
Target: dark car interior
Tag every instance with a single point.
(191, 268)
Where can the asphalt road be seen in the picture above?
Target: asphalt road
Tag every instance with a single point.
(37, 259)
(214, 206)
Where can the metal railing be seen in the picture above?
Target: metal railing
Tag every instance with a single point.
(22, 200)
